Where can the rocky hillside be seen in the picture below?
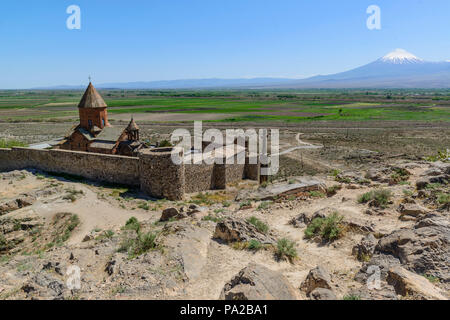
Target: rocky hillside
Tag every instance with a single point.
(381, 233)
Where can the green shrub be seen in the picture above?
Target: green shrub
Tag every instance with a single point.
(244, 204)
(254, 245)
(144, 205)
(335, 172)
(165, 143)
(331, 191)
(380, 197)
(286, 249)
(264, 205)
(343, 179)
(139, 245)
(443, 198)
(109, 234)
(261, 226)
(328, 229)
(316, 194)
(431, 278)
(212, 218)
(400, 175)
(72, 194)
(67, 232)
(226, 204)
(133, 224)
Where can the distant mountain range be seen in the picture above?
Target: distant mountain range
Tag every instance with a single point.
(398, 69)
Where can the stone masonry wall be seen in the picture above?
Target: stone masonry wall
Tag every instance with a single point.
(154, 172)
(159, 176)
(199, 177)
(99, 167)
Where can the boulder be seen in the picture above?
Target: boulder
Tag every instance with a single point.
(365, 249)
(316, 278)
(409, 284)
(383, 261)
(172, 213)
(412, 209)
(237, 230)
(256, 282)
(422, 183)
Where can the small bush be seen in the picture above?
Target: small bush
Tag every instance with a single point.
(400, 175)
(245, 204)
(328, 229)
(286, 249)
(165, 143)
(264, 205)
(139, 245)
(226, 204)
(331, 191)
(431, 278)
(254, 245)
(109, 234)
(144, 205)
(380, 198)
(343, 179)
(408, 193)
(443, 198)
(67, 232)
(335, 172)
(261, 226)
(212, 218)
(133, 224)
(316, 194)
(72, 194)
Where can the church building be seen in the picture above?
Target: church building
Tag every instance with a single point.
(95, 134)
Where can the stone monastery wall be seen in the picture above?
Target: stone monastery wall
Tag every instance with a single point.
(92, 166)
(153, 171)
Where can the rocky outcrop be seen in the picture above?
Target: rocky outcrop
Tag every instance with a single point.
(282, 190)
(256, 282)
(189, 245)
(413, 286)
(22, 201)
(237, 230)
(382, 261)
(316, 278)
(424, 249)
(411, 210)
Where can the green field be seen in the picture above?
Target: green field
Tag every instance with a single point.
(236, 106)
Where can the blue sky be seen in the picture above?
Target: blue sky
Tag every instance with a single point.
(144, 40)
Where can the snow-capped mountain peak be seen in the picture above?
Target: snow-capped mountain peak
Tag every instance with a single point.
(400, 56)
